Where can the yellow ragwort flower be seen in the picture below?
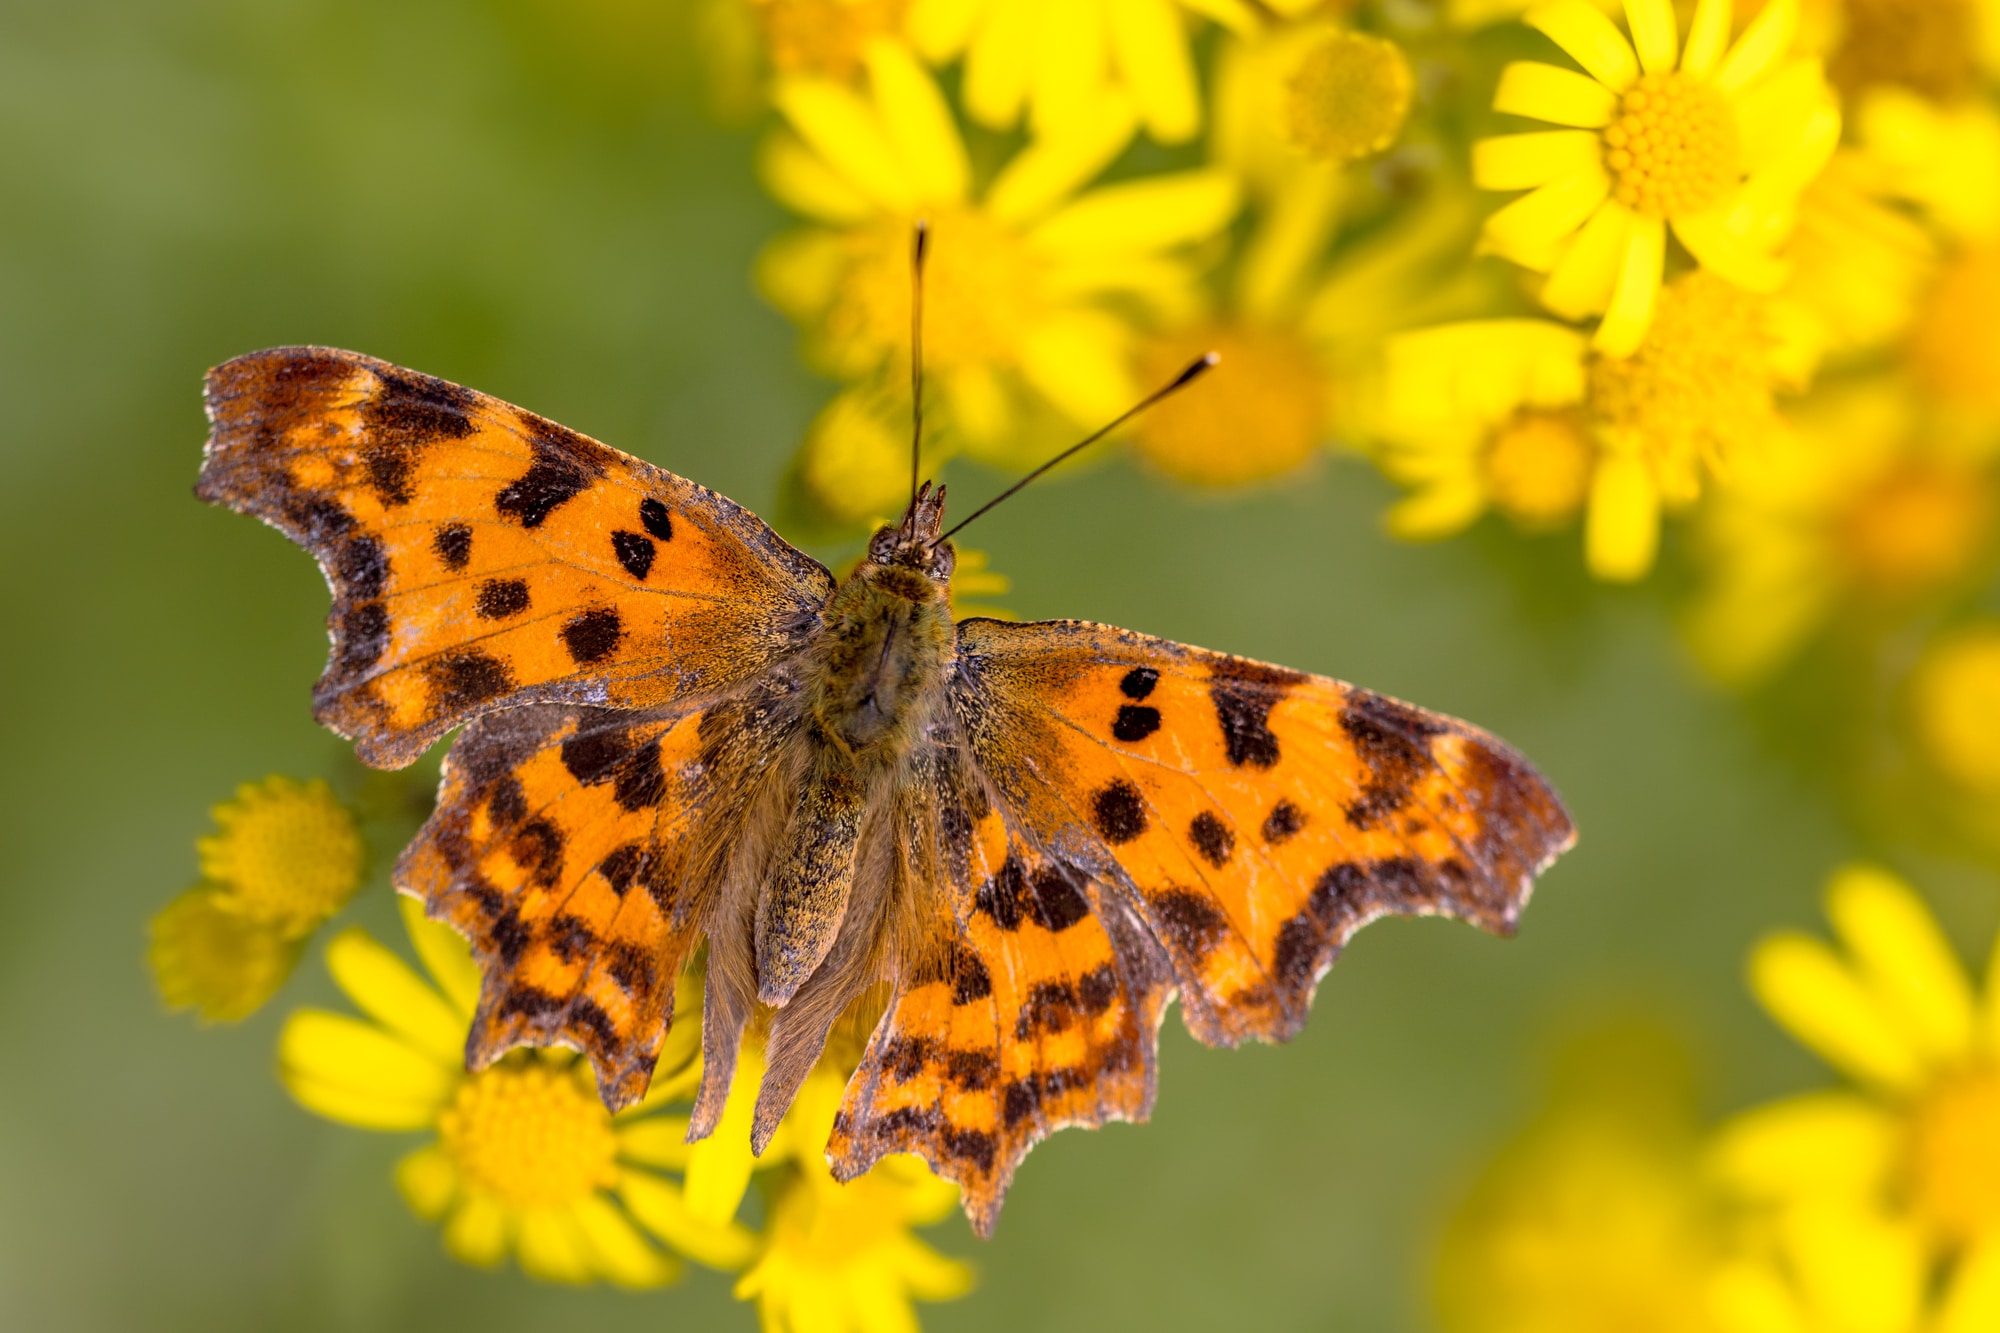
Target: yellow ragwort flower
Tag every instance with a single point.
(1854, 506)
(1945, 160)
(218, 962)
(1940, 49)
(1955, 702)
(1060, 62)
(1910, 1157)
(841, 1258)
(524, 1159)
(1520, 416)
(1020, 291)
(1712, 140)
(287, 853)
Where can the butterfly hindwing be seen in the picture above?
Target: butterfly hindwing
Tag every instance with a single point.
(481, 556)
(558, 848)
(1252, 816)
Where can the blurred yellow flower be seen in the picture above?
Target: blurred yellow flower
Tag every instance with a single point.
(854, 465)
(840, 1258)
(1908, 1162)
(525, 1159)
(1954, 350)
(1712, 140)
(1027, 284)
(1937, 48)
(1518, 415)
(974, 578)
(1943, 159)
(826, 37)
(1061, 62)
(218, 962)
(1596, 1217)
(287, 853)
(1855, 505)
(1955, 700)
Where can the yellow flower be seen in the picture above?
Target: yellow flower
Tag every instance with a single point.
(825, 37)
(1596, 1217)
(1061, 62)
(841, 1257)
(1955, 698)
(1938, 48)
(287, 854)
(1019, 296)
(1908, 1161)
(218, 962)
(1711, 140)
(855, 463)
(524, 1158)
(1517, 415)
(1943, 159)
(1855, 506)
(973, 578)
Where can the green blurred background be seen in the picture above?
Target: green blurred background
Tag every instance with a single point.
(530, 198)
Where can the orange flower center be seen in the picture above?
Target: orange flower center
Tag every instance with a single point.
(531, 1136)
(1955, 1155)
(1915, 529)
(1260, 420)
(824, 36)
(982, 293)
(1672, 149)
(1538, 467)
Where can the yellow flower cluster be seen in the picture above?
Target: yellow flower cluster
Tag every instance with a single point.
(1873, 1208)
(285, 856)
(521, 1159)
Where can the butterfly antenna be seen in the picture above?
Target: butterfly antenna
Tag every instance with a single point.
(1194, 371)
(920, 246)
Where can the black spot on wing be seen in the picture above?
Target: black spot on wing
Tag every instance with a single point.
(970, 981)
(621, 867)
(1052, 897)
(634, 551)
(593, 636)
(642, 779)
(1188, 921)
(1139, 682)
(1135, 722)
(466, 677)
(1284, 821)
(363, 568)
(537, 847)
(1119, 812)
(1243, 694)
(594, 756)
(364, 636)
(407, 412)
(506, 802)
(453, 544)
(500, 598)
(1212, 838)
(653, 517)
(553, 479)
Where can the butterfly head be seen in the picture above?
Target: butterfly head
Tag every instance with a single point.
(915, 542)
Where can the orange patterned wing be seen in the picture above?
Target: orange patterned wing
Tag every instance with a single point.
(557, 847)
(482, 557)
(1163, 820)
(1043, 1013)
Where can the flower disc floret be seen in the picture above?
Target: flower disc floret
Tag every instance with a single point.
(531, 1136)
(1673, 149)
(1538, 467)
(1954, 1160)
(289, 853)
(1349, 97)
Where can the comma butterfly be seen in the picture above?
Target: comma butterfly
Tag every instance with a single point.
(1028, 838)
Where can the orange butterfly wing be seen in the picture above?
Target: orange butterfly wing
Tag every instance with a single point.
(1230, 824)
(481, 556)
(580, 609)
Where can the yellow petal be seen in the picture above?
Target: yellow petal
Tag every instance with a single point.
(1768, 38)
(476, 1231)
(551, 1245)
(1153, 213)
(352, 1071)
(1072, 57)
(394, 996)
(1058, 164)
(1591, 39)
(1748, 1296)
(800, 272)
(658, 1140)
(1438, 511)
(941, 28)
(1972, 1301)
(999, 63)
(1726, 254)
(1621, 533)
(1630, 312)
(1150, 45)
(846, 133)
(615, 1249)
(801, 180)
(1532, 230)
(1582, 281)
(663, 1210)
(1814, 997)
(1524, 161)
(1077, 361)
(719, 1167)
(1904, 959)
(427, 1180)
(1559, 96)
(918, 124)
(1856, 1267)
(1291, 234)
(1822, 1144)
(1654, 36)
(1708, 37)
(445, 955)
